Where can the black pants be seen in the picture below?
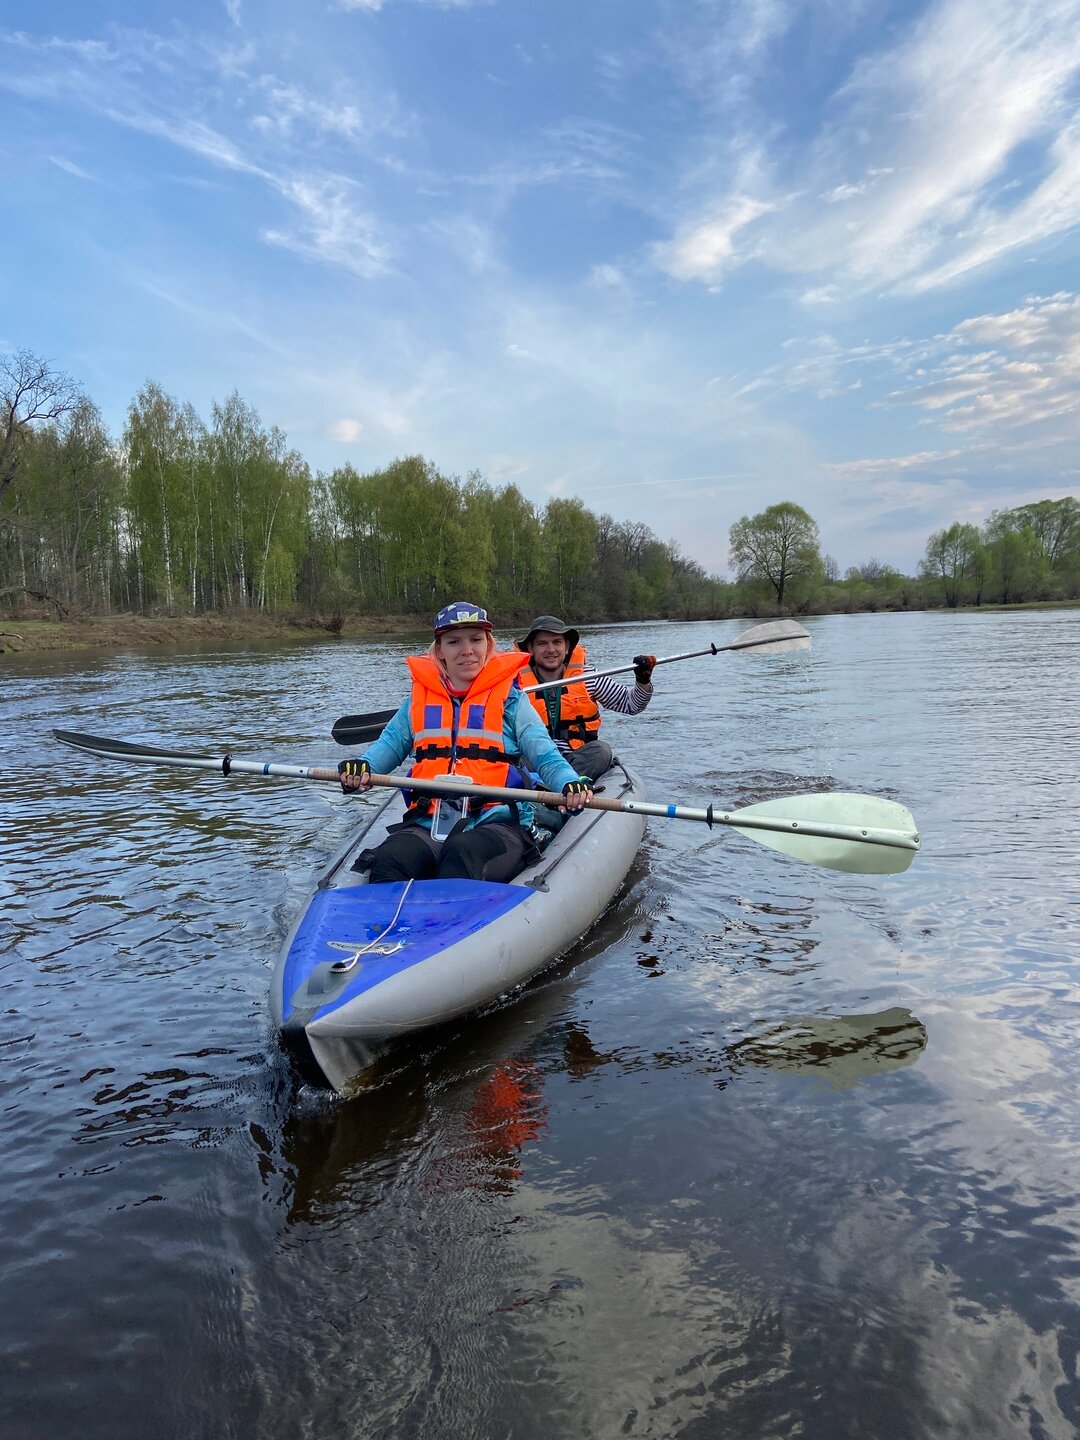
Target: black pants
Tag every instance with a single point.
(491, 851)
(592, 759)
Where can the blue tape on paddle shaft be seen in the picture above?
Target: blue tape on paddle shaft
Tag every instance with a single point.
(671, 811)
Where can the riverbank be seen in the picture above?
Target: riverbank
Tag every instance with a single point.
(140, 632)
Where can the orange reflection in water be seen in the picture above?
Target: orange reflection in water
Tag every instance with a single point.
(507, 1112)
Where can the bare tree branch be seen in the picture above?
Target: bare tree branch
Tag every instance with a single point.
(30, 391)
(61, 610)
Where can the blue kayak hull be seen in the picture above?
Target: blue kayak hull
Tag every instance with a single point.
(366, 963)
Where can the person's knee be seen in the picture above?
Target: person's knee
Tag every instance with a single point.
(465, 857)
(487, 852)
(593, 759)
(402, 857)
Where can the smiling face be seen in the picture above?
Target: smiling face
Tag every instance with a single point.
(548, 651)
(463, 654)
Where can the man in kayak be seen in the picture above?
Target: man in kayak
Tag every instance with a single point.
(465, 717)
(572, 712)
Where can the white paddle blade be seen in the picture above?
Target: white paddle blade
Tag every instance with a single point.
(885, 843)
(773, 638)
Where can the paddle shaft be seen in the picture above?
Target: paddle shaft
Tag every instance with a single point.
(740, 819)
(749, 640)
(774, 635)
(710, 816)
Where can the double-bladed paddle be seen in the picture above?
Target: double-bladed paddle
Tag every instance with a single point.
(858, 833)
(772, 638)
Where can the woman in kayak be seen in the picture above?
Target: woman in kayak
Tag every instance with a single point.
(467, 717)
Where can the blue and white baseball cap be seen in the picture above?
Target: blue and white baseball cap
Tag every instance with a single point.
(460, 614)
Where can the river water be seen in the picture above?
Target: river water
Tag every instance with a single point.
(774, 1152)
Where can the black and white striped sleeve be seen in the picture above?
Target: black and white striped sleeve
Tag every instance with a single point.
(625, 699)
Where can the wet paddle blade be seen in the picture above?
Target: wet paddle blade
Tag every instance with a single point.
(125, 749)
(887, 845)
(773, 638)
(357, 729)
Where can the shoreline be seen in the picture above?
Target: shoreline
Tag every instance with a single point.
(141, 632)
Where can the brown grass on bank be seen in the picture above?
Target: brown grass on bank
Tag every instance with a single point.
(26, 636)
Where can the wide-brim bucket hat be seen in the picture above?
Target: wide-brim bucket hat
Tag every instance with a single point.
(554, 626)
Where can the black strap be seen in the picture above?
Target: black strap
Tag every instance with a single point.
(578, 729)
(436, 750)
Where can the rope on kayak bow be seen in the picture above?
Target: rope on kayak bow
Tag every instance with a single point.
(340, 966)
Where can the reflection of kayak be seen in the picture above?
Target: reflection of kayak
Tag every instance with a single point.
(366, 964)
(840, 1049)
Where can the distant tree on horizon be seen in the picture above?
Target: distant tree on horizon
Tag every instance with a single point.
(951, 556)
(780, 546)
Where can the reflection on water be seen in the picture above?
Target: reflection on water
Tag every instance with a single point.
(706, 1177)
(838, 1049)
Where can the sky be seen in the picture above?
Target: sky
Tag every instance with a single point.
(681, 259)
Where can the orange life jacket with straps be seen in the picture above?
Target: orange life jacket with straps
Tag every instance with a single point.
(462, 737)
(578, 719)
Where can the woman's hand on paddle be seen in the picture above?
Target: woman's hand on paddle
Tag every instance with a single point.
(575, 793)
(355, 775)
(643, 668)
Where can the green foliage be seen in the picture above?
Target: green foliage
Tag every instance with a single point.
(950, 559)
(569, 548)
(184, 516)
(779, 547)
(518, 553)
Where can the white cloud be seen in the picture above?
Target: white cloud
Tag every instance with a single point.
(70, 168)
(193, 135)
(704, 251)
(89, 50)
(879, 467)
(716, 51)
(1030, 375)
(502, 469)
(912, 180)
(820, 295)
(470, 240)
(288, 104)
(373, 6)
(333, 229)
(346, 431)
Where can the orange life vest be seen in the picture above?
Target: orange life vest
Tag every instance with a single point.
(579, 717)
(465, 738)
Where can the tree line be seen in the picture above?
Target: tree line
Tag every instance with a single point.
(1031, 552)
(183, 515)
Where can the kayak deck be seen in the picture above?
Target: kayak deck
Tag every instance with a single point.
(367, 963)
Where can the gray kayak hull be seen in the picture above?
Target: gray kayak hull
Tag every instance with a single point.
(368, 964)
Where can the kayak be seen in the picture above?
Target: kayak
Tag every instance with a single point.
(367, 964)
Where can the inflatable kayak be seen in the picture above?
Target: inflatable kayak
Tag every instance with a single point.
(366, 964)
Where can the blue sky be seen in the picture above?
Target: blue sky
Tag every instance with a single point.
(682, 260)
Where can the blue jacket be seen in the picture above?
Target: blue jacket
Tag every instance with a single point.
(524, 734)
